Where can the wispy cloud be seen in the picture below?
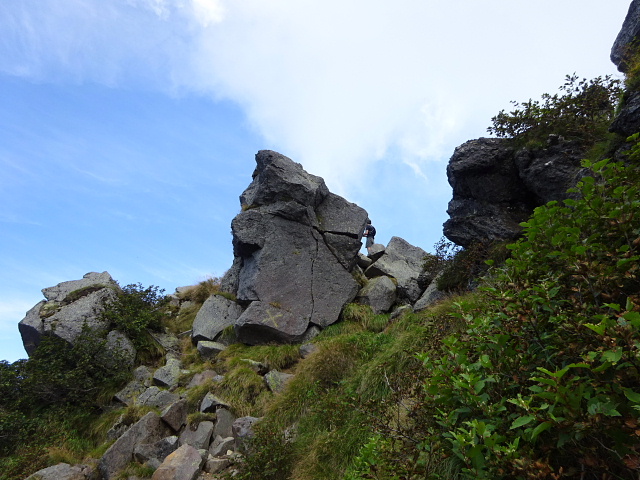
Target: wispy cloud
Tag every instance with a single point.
(334, 84)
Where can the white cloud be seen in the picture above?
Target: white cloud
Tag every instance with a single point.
(334, 84)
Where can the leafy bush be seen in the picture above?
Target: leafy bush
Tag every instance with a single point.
(78, 374)
(583, 112)
(543, 382)
(135, 311)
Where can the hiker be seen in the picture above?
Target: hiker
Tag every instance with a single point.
(370, 233)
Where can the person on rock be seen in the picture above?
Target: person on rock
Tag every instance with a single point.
(370, 233)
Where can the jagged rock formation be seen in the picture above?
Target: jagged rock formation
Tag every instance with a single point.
(496, 187)
(68, 307)
(295, 245)
(627, 35)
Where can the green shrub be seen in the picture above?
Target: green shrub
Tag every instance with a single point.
(544, 381)
(79, 374)
(135, 311)
(582, 112)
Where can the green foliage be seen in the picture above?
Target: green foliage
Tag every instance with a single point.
(582, 112)
(543, 382)
(465, 265)
(135, 311)
(79, 374)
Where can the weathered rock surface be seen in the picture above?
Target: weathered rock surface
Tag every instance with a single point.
(69, 306)
(495, 187)
(169, 374)
(156, 397)
(175, 415)
(277, 381)
(202, 377)
(156, 451)
(243, 431)
(119, 342)
(221, 445)
(379, 293)
(627, 122)
(61, 471)
(183, 464)
(210, 349)
(430, 296)
(216, 314)
(224, 423)
(295, 244)
(148, 429)
(548, 173)
(405, 263)
(210, 403)
(628, 33)
(198, 438)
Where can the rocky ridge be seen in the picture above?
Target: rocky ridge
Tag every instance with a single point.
(296, 266)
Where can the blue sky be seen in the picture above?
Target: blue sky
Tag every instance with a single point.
(128, 128)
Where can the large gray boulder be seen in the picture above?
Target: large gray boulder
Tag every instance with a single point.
(148, 429)
(169, 374)
(68, 307)
(621, 50)
(216, 314)
(405, 263)
(295, 244)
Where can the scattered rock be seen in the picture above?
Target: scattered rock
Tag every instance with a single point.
(307, 349)
(224, 423)
(277, 381)
(243, 431)
(175, 415)
(379, 293)
(626, 37)
(61, 471)
(405, 263)
(216, 465)
(183, 464)
(430, 296)
(158, 451)
(216, 314)
(210, 349)
(210, 403)
(156, 397)
(201, 378)
(148, 429)
(221, 445)
(198, 438)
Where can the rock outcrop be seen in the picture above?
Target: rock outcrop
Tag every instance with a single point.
(496, 187)
(295, 245)
(626, 38)
(68, 307)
